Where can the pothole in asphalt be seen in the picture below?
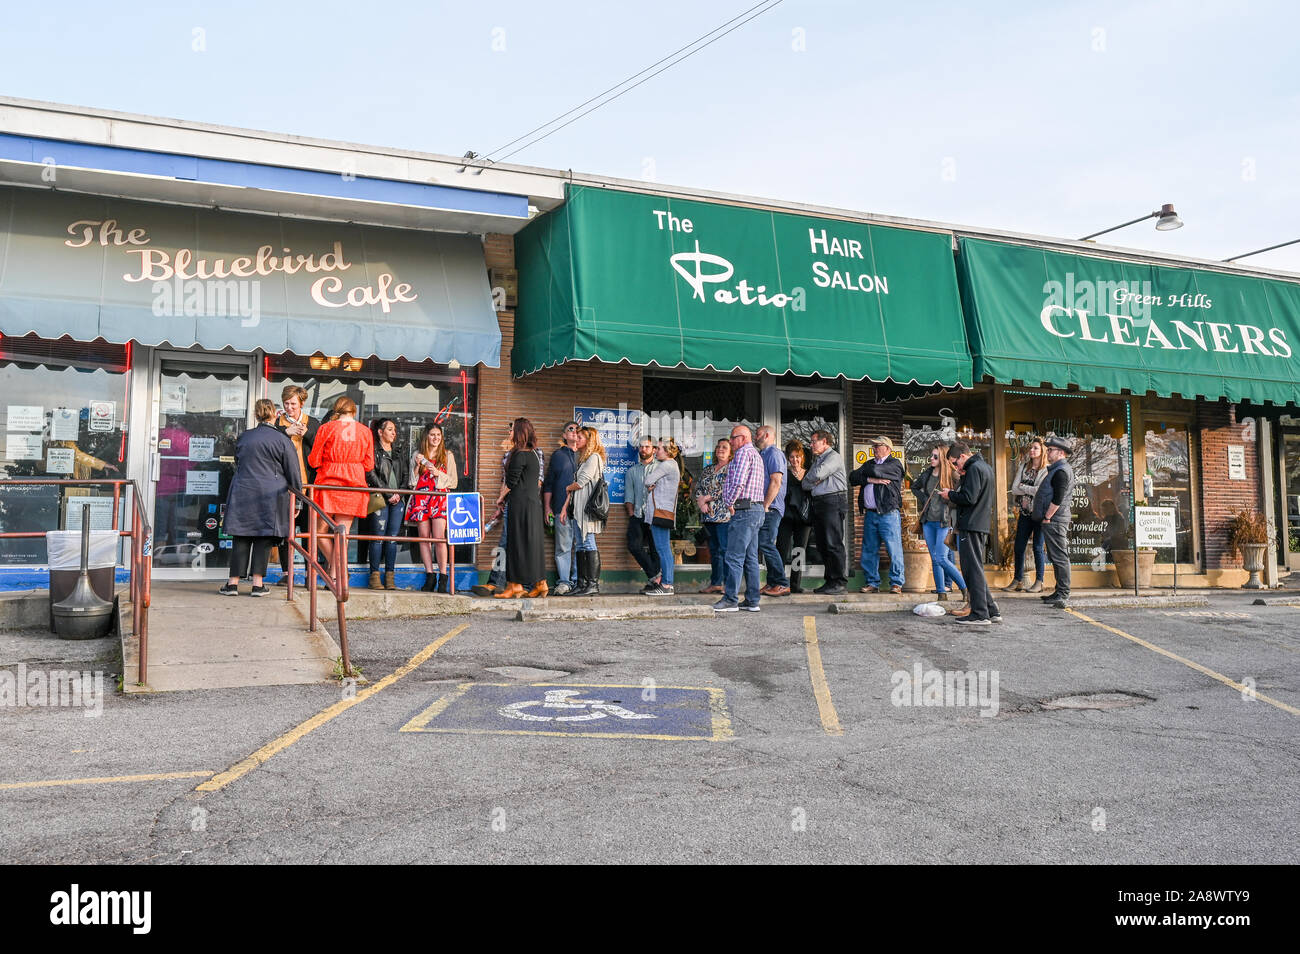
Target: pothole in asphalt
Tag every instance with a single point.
(1098, 700)
(527, 673)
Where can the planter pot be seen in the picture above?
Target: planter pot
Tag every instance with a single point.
(1124, 567)
(681, 547)
(1252, 561)
(918, 577)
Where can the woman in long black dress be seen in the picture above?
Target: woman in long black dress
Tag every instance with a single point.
(525, 559)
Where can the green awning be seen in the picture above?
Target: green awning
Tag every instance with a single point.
(621, 276)
(1059, 319)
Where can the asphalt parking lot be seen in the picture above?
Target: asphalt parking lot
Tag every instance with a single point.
(1105, 736)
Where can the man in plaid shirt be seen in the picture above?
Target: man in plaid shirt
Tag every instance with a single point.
(742, 494)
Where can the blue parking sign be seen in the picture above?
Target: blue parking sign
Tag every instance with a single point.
(464, 519)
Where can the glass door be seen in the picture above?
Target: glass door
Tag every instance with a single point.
(801, 413)
(201, 409)
(1291, 497)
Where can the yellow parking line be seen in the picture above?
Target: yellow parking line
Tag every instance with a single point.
(1187, 662)
(49, 783)
(275, 746)
(822, 692)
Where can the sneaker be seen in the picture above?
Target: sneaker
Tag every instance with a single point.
(1059, 604)
(967, 621)
(650, 587)
(723, 606)
(867, 589)
(995, 618)
(560, 589)
(664, 589)
(748, 607)
(229, 589)
(1047, 598)
(1036, 588)
(837, 590)
(262, 590)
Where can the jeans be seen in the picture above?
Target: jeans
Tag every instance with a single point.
(828, 525)
(973, 545)
(767, 548)
(742, 555)
(1057, 535)
(385, 522)
(641, 545)
(718, 534)
(877, 528)
(941, 557)
(564, 564)
(1024, 527)
(497, 577)
(665, 550)
(587, 543)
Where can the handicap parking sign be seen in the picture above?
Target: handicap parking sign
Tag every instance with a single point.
(464, 518)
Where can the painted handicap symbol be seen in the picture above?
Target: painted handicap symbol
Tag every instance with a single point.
(563, 700)
(460, 515)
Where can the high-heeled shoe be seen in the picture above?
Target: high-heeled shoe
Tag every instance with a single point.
(540, 590)
(513, 591)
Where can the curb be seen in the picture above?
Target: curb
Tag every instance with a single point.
(1139, 602)
(631, 612)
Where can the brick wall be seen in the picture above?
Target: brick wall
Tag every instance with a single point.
(546, 398)
(1222, 498)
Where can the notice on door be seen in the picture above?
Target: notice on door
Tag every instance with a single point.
(60, 460)
(23, 446)
(26, 417)
(203, 482)
(103, 415)
(233, 398)
(201, 448)
(65, 423)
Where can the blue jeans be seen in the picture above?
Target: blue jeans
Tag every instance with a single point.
(941, 557)
(718, 534)
(565, 570)
(665, 550)
(742, 555)
(877, 528)
(587, 543)
(385, 522)
(1024, 528)
(767, 548)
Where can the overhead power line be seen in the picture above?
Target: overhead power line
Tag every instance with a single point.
(672, 59)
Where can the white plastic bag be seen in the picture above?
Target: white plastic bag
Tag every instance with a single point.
(929, 609)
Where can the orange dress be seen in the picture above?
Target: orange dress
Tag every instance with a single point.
(343, 452)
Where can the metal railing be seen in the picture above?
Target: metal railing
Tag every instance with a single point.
(336, 577)
(141, 561)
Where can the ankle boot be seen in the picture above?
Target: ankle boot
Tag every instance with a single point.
(390, 580)
(375, 582)
(593, 572)
(430, 582)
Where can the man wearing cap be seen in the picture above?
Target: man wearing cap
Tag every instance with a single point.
(1052, 508)
(881, 502)
(974, 502)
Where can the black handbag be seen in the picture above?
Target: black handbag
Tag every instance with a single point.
(598, 503)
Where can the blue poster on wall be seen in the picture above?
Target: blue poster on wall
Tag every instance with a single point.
(618, 432)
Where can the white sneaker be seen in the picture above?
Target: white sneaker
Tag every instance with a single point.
(560, 589)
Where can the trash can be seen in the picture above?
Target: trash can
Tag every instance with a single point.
(63, 548)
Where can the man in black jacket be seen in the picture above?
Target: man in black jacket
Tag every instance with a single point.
(974, 500)
(881, 503)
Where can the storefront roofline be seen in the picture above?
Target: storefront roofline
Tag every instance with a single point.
(543, 187)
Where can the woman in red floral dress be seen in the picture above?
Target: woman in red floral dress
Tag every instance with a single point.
(432, 468)
(344, 450)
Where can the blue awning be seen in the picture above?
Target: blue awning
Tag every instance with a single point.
(92, 267)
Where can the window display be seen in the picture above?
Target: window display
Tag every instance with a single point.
(1169, 470)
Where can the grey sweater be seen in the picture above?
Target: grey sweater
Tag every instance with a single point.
(826, 476)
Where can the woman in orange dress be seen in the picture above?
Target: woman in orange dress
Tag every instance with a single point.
(344, 450)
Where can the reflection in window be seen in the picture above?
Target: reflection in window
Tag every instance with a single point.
(1169, 471)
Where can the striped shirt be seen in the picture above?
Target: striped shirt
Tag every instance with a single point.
(746, 477)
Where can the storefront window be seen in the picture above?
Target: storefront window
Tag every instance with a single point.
(1170, 471)
(1101, 461)
(696, 413)
(63, 418)
(413, 395)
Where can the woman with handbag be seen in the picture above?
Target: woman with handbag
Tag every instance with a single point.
(433, 467)
(936, 518)
(1029, 476)
(715, 519)
(386, 508)
(588, 484)
(797, 523)
(521, 498)
(661, 485)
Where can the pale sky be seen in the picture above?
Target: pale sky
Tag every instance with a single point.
(1052, 118)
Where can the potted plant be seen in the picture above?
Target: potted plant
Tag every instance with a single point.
(1248, 536)
(1124, 566)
